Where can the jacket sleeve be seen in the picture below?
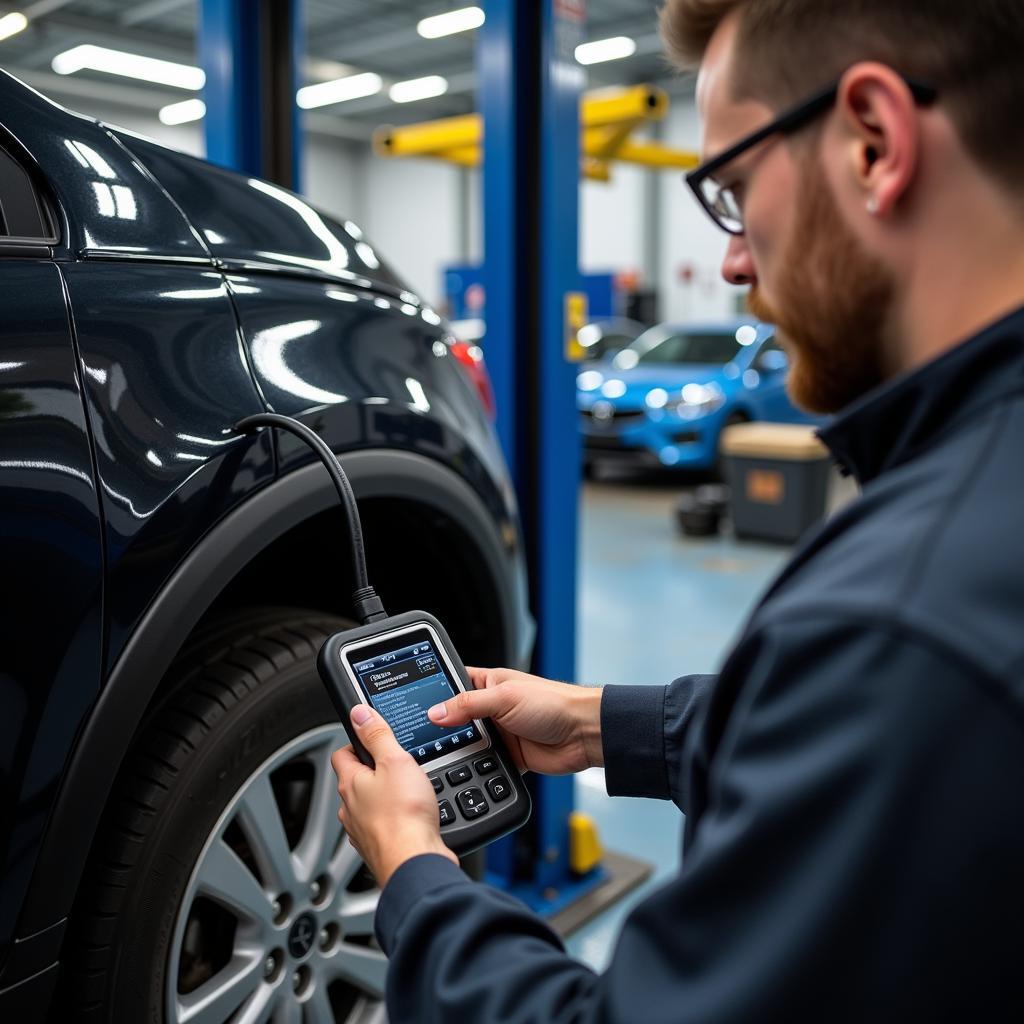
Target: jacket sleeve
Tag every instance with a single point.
(824, 879)
(643, 734)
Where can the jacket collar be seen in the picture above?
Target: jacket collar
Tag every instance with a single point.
(899, 419)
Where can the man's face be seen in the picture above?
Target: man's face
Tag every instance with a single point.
(809, 273)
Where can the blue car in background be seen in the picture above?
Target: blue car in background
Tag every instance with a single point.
(665, 400)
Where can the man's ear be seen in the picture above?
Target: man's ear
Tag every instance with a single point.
(882, 134)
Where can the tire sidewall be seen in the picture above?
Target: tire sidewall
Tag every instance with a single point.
(240, 740)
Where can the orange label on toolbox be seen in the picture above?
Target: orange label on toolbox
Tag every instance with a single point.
(766, 487)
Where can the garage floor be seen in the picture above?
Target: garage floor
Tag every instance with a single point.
(653, 605)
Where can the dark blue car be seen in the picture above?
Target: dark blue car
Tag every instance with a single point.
(665, 400)
(169, 842)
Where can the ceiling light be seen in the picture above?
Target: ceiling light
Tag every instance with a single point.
(12, 24)
(605, 49)
(130, 65)
(339, 90)
(448, 24)
(418, 89)
(183, 112)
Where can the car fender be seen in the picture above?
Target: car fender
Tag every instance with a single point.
(211, 565)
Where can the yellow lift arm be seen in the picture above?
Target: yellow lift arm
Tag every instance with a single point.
(607, 120)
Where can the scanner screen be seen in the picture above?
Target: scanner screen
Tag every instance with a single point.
(402, 678)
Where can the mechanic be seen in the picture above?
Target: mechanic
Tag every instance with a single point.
(851, 780)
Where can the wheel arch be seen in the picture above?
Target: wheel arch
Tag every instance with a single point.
(200, 583)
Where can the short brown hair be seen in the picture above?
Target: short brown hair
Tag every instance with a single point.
(970, 50)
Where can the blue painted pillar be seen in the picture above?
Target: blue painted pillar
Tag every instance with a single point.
(555, 454)
(529, 90)
(252, 52)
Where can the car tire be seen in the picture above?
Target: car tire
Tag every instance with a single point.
(221, 885)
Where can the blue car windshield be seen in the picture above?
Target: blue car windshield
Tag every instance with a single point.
(710, 349)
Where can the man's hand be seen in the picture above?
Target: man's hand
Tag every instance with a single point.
(390, 811)
(549, 727)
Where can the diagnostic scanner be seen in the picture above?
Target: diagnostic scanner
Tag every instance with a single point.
(401, 665)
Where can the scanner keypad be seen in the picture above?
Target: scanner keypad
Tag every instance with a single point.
(470, 800)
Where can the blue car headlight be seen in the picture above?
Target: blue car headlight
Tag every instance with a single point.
(696, 400)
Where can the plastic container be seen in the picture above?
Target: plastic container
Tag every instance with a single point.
(779, 478)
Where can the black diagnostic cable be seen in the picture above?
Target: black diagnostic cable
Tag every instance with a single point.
(368, 606)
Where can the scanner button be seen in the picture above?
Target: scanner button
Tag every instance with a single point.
(460, 774)
(436, 783)
(499, 788)
(472, 803)
(445, 812)
(485, 765)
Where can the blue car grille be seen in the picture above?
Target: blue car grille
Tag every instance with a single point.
(615, 421)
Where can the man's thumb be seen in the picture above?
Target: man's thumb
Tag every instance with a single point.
(374, 733)
(466, 706)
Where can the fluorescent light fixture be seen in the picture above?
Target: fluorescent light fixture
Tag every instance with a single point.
(605, 49)
(12, 24)
(340, 90)
(418, 89)
(128, 65)
(451, 22)
(183, 112)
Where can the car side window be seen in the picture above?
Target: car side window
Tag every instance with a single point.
(22, 212)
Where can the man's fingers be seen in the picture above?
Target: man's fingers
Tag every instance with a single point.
(374, 733)
(477, 676)
(469, 705)
(344, 760)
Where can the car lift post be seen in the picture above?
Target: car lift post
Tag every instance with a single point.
(529, 90)
(252, 52)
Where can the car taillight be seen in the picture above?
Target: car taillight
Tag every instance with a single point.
(472, 358)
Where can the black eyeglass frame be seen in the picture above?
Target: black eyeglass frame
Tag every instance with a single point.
(784, 124)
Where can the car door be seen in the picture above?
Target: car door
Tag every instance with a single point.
(50, 603)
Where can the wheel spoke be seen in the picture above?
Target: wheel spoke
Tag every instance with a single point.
(224, 878)
(361, 966)
(289, 1011)
(344, 865)
(357, 912)
(322, 826)
(261, 821)
(317, 1007)
(262, 1007)
(217, 999)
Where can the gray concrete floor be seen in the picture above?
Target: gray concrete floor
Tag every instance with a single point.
(654, 605)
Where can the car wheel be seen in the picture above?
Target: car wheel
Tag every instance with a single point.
(224, 888)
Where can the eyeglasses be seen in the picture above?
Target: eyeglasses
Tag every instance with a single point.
(721, 202)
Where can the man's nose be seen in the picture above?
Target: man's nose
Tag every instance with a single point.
(738, 265)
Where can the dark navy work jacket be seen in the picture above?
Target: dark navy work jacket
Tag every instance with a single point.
(853, 780)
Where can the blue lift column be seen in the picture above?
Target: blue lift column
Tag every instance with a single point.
(252, 53)
(529, 93)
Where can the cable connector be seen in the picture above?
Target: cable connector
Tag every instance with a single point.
(368, 606)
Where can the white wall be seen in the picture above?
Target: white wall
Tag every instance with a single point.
(612, 222)
(692, 247)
